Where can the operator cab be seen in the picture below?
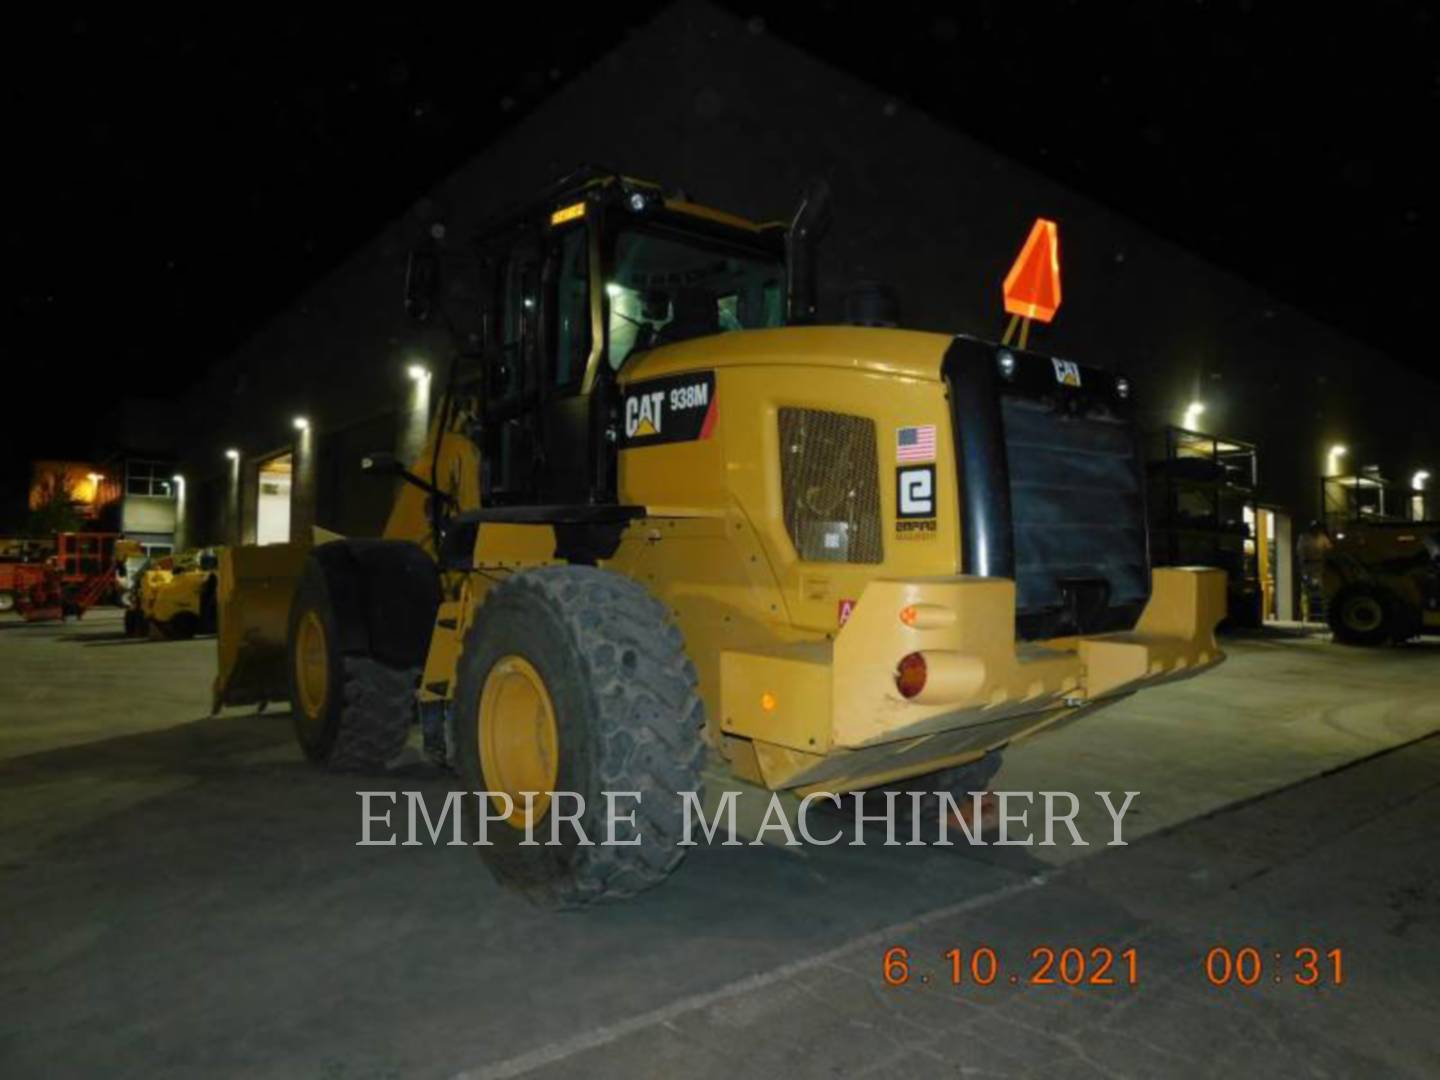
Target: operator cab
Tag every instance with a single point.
(575, 284)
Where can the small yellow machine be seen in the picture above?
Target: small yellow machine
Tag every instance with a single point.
(663, 518)
(174, 597)
(1382, 581)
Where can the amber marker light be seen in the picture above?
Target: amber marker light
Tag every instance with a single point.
(927, 616)
(568, 213)
(767, 701)
(910, 675)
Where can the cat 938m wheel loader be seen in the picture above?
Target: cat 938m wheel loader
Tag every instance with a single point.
(664, 523)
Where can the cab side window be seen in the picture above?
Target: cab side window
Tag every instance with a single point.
(511, 373)
(572, 309)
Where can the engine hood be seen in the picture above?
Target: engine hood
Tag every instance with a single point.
(905, 353)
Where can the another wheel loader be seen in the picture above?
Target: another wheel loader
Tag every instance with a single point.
(1382, 581)
(662, 518)
(173, 597)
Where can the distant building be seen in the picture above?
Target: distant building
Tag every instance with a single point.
(92, 493)
(139, 497)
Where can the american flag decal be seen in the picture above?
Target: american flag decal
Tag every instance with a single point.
(915, 443)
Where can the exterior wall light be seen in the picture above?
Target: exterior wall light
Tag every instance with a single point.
(233, 455)
(418, 372)
(1192, 414)
(301, 423)
(1418, 480)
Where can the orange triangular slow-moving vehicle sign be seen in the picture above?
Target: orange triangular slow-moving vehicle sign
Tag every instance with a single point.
(1032, 288)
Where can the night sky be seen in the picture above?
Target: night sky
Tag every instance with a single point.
(181, 179)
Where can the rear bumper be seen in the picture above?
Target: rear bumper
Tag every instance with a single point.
(827, 713)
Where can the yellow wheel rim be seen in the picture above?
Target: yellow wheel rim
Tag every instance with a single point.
(1364, 614)
(519, 741)
(312, 665)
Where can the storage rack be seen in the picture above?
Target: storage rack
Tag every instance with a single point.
(1202, 510)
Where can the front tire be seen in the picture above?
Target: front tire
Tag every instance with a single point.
(1360, 615)
(7, 602)
(573, 679)
(352, 713)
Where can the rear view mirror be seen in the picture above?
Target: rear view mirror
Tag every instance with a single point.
(422, 283)
(802, 239)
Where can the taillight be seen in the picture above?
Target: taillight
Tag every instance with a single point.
(910, 675)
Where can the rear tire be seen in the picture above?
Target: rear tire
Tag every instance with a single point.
(1360, 615)
(182, 627)
(7, 602)
(958, 780)
(352, 713)
(595, 663)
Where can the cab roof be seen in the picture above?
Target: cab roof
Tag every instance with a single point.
(589, 179)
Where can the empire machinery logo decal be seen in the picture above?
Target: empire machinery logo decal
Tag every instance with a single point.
(889, 819)
(679, 408)
(915, 502)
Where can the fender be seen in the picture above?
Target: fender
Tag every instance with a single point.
(385, 594)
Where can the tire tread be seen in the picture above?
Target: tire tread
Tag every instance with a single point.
(650, 718)
(377, 701)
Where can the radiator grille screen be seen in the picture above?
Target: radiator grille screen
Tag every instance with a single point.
(829, 475)
(1079, 517)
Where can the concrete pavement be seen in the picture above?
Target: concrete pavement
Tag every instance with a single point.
(183, 895)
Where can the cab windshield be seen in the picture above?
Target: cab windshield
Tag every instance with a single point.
(666, 288)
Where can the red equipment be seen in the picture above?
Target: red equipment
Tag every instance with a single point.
(78, 576)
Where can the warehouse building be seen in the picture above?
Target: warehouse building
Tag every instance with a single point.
(744, 121)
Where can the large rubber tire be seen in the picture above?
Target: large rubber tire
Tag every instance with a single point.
(1361, 615)
(958, 780)
(627, 718)
(209, 606)
(357, 716)
(182, 627)
(7, 602)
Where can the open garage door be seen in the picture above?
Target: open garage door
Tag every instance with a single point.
(272, 508)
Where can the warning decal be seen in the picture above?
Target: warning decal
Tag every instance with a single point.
(677, 408)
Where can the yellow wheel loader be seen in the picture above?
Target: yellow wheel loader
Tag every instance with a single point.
(664, 523)
(174, 597)
(1382, 581)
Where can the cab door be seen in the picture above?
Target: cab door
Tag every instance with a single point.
(565, 428)
(511, 381)
(538, 434)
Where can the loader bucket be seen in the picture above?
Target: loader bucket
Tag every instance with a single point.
(256, 585)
